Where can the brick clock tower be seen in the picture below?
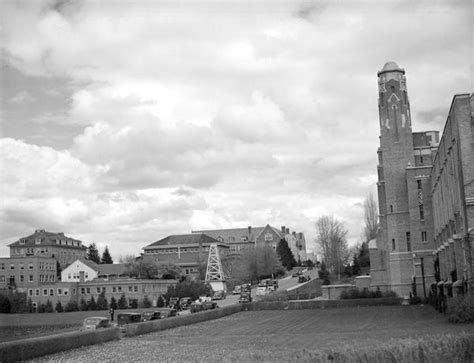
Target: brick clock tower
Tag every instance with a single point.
(402, 185)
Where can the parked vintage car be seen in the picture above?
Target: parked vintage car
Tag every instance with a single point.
(174, 302)
(128, 318)
(151, 315)
(219, 295)
(95, 322)
(185, 303)
(236, 290)
(167, 312)
(302, 279)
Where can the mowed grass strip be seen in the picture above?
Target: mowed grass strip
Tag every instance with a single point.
(285, 335)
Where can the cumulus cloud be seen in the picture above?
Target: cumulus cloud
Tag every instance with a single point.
(201, 115)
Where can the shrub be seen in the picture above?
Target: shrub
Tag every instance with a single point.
(365, 294)
(133, 303)
(18, 302)
(276, 296)
(5, 305)
(461, 310)
(59, 307)
(146, 302)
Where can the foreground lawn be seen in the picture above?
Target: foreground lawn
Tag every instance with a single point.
(281, 336)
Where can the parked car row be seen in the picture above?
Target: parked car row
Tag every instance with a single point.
(98, 322)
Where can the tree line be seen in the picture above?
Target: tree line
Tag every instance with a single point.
(331, 239)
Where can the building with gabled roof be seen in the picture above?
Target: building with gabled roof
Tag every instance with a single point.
(188, 251)
(240, 239)
(49, 244)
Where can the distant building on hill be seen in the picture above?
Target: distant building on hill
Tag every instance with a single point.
(187, 251)
(239, 239)
(48, 244)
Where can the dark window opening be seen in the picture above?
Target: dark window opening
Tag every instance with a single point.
(393, 244)
(408, 241)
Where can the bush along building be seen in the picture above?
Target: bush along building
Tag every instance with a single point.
(426, 196)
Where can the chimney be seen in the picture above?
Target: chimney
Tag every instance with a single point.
(283, 229)
(287, 231)
(294, 233)
(250, 230)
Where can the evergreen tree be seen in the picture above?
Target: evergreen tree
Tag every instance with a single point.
(106, 257)
(102, 303)
(133, 303)
(113, 303)
(161, 302)
(41, 308)
(122, 303)
(93, 253)
(286, 256)
(48, 308)
(82, 304)
(92, 305)
(59, 307)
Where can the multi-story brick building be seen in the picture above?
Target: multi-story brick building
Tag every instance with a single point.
(188, 251)
(47, 244)
(452, 190)
(403, 254)
(240, 239)
(24, 272)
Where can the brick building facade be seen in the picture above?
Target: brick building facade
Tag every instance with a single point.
(48, 244)
(408, 241)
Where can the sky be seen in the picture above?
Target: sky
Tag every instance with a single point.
(123, 122)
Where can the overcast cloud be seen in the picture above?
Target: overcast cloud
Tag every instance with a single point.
(126, 121)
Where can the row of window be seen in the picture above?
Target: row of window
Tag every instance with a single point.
(424, 239)
(22, 278)
(162, 251)
(100, 289)
(76, 275)
(49, 266)
(61, 242)
(50, 292)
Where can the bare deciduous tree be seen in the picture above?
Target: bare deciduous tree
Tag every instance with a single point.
(371, 218)
(332, 242)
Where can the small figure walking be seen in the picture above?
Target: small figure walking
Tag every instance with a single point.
(111, 312)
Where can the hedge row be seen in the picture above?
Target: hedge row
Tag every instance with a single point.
(319, 304)
(162, 324)
(20, 350)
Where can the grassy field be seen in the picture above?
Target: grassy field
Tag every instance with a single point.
(284, 336)
(18, 326)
